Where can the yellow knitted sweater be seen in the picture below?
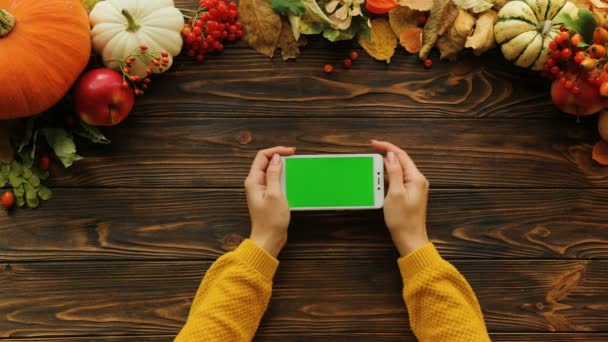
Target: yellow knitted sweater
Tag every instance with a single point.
(236, 289)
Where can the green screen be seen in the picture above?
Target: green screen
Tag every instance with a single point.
(329, 182)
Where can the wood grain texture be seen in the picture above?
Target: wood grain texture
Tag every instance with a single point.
(336, 337)
(149, 224)
(193, 152)
(242, 82)
(321, 296)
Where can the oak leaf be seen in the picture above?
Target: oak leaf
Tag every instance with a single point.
(418, 5)
(432, 26)
(261, 25)
(383, 40)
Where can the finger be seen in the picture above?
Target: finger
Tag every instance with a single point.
(410, 171)
(273, 175)
(394, 171)
(261, 161)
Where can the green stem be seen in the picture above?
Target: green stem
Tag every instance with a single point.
(7, 23)
(133, 25)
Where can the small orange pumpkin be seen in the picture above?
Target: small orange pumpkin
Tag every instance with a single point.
(44, 46)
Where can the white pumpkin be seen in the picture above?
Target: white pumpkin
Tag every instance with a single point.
(121, 26)
(526, 27)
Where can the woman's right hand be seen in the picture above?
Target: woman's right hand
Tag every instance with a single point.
(406, 200)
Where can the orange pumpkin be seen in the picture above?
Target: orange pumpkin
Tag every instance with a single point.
(44, 46)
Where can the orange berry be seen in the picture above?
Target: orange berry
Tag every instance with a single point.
(328, 68)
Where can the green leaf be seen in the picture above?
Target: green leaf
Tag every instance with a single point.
(27, 173)
(16, 168)
(19, 193)
(584, 25)
(43, 175)
(15, 180)
(3, 181)
(30, 192)
(33, 202)
(45, 193)
(34, 181)
(63, 144)
(92, 133)
(288, 7)
(5, 169)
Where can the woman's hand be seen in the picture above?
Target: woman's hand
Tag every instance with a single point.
(406, 200)
(267, 204)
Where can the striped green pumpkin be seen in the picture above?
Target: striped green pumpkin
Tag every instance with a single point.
(524, 28)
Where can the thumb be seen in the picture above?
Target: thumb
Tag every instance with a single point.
(273, 174)
(394, 172)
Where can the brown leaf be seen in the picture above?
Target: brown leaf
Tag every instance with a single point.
(448, 19)
(411, 39)
(404, 23)
(383, 41)
(599, 4)
(482, 38)
(290, 48)
(453, 42)
(418, 5)
(261, 25)
(401, 18)
(6, 148)
(433, 25)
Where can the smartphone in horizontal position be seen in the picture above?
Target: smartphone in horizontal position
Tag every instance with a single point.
(333, 182)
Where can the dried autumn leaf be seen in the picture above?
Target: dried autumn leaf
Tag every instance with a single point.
(401, 18)
(599, 4)
(261, 25)
(476, 6)
(418, 5)
(411, 39)
(431, 28)
(452, 43)
(383, 41)
(448, 19)
(482, 38)
(290, 47)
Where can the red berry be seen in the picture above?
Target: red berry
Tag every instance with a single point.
(354, 55)
(8, 199)
(147, 80)
(200, 57)
(125, 85)
(421, 20)
(44, 162)
(575, 90)
(191, 37)
(191, 53)
(553, 44)
(556, 54)
(566, 53)
(328, 68)
(576, 39)
(568, 84)
(156, 62)
(550, 62)
(149, 70)
(563, 29)
(232, 37)
(554, 70)
(564, 36)
(143, 47)
(199, 24)
(197, 31)
(578, 58)
(428, 63)
(348, 63)
(239, 34)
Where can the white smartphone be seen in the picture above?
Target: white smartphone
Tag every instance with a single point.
(333, 182)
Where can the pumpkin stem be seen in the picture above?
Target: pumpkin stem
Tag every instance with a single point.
(7, 22)
(544, 27)
(133, 25)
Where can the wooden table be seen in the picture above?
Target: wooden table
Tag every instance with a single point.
(516, 204)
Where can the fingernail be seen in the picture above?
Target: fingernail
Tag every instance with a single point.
(391, 157)
(293, 148)
(276, 159)
(374, 140)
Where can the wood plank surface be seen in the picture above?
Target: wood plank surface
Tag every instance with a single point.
(241, 82)
(195, 152)
(324, 296)
(342, 337)
(131, 224)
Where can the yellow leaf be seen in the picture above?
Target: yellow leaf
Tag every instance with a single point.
(383, 41)
(452, 43)
(411, 39)
(401, 18)
(482, 38)
(261, 25)
(418, 5)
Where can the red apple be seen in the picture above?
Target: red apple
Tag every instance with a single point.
(588, 101)
(100, 99)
